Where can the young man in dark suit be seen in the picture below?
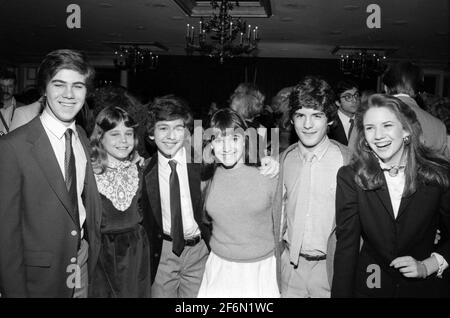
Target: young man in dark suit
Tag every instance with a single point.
(49, 203)
(347, 100)
(172, 203)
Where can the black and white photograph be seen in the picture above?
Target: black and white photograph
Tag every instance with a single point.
(225, 156)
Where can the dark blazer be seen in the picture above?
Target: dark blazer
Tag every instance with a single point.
(369, 214)
(151, 207)
(37, 221)
(337, 132)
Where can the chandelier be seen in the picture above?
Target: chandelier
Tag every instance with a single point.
(362, 62)
(221, 35)
(135, 58)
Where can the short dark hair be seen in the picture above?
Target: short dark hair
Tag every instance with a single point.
(169, 107)
(344, 85)
(63, 59)
(403, 77)
(313, 92)
(6, 74)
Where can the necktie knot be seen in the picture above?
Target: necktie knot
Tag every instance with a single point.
(173, 165)
(309, 156)
(68, 135)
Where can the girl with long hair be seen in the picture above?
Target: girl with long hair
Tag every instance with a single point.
(123, 269)
(395, 196)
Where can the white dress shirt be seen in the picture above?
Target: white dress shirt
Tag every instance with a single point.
(345, 120)
(55, 131)
(190, 227)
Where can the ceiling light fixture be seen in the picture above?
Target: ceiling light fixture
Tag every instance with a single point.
(362, 62)
(222, 35)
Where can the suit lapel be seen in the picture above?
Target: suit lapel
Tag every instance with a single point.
(45, 156)
(383, 196)
(404, 203)
(152, 185)
(341, 131)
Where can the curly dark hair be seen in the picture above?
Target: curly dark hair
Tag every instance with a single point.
(313, 92)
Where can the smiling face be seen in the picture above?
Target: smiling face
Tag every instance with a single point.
(66, 93)
(229, 148)
(384, 133)
(169, 136)
(310, 125)
(118, 142)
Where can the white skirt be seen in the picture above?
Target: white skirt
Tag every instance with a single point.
(226, 279)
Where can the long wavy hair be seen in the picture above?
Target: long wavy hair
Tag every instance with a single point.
(423, 166)
(108, 119)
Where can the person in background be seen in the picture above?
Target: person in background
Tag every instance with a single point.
(248, 102)
(280, 106)
(395, 195)
(347, 100)
(7, 85)
(403, 80)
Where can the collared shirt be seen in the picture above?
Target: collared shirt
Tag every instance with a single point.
(190, 227)
(7, 113)
(395, 186)
(319, 215)
(345, 120)
(55, 131)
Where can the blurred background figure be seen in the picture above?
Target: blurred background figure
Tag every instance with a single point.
(280, 108)
(404, 80)
(9, 103)
(248, 101)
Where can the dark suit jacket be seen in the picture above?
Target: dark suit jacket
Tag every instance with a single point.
(434, 130)
(151, 206)
(412, 233)
(36, 217)
(337, 132)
